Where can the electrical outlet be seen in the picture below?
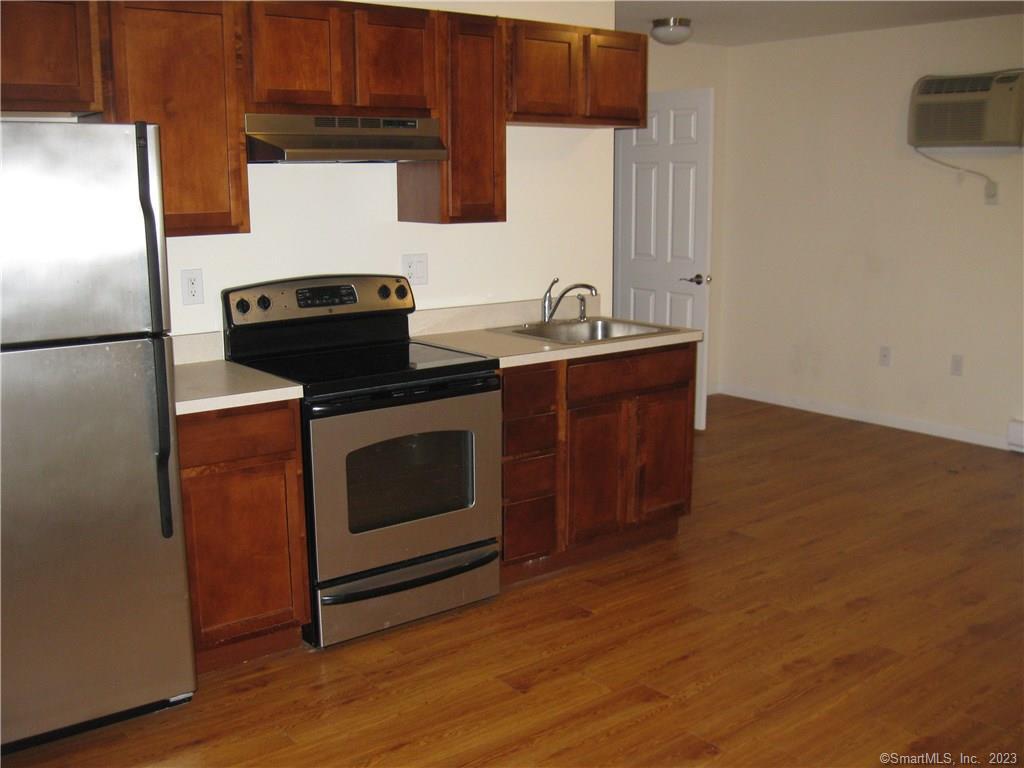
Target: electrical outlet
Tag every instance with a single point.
(414, 267)
(956, 365)
(192, 286)
(991, 192)
(884, 356)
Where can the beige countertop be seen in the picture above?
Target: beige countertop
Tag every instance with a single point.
(513, 350)
(216, 384)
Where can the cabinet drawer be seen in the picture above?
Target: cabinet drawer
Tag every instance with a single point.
(529, 390)
(602, 378)
(528, 478)
(237, 433)
(529, 529)
(530, 435)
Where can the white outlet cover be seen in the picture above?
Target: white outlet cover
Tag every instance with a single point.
(414, 267)
(956, 365)
(191, 286)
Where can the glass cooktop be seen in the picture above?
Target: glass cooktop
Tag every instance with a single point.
(343, 370)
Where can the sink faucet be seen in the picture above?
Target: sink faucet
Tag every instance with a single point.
(548, 308)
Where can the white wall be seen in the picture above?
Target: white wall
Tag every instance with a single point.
(840, 239)
(832, 238)
(309, 219)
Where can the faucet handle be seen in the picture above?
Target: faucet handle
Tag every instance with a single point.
(551, 286)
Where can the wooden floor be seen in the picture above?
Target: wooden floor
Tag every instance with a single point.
(841, 590)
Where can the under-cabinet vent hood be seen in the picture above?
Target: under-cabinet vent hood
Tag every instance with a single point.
(330, 139)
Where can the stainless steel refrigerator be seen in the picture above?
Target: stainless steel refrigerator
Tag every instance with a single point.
(95, 608)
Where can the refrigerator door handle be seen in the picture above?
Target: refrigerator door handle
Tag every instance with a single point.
(163, 448)
(147, 147)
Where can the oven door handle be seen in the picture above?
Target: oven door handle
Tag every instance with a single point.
(401, 586)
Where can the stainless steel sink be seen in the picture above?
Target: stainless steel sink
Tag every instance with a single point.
(584, 332)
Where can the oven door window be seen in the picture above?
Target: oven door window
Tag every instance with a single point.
(409, 478)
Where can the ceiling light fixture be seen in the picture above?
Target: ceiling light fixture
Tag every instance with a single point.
(671, 31)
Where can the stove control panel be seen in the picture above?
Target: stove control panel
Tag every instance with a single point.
(322, 295)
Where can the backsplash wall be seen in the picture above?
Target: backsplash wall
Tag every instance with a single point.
(314, 219)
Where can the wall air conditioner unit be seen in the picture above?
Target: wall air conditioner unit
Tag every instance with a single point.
(983, 110)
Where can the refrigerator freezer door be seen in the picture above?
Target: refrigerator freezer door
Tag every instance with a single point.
(96, 616)
(80, 252)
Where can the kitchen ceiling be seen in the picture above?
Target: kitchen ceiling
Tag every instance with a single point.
(743, 22)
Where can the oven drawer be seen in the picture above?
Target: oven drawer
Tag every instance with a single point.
(361, 606)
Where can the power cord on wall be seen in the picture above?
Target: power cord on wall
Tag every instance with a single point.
(991, 187)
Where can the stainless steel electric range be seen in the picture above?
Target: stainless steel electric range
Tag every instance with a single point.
(401, 451)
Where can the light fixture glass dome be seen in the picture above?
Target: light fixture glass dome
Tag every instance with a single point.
(671, 31)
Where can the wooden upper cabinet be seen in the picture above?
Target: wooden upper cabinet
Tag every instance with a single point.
(175, 65)
(302, 53)
(572, 75)
(616, 74)
(50, 56)
(470, 185)
(395, 57)
(546, 68)
(476, 135)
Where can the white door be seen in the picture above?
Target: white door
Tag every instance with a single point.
(663, 219)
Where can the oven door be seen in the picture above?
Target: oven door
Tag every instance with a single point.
(398, 483)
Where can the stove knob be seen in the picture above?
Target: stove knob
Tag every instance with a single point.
(401, 292)
(384, 292)
(243, 306)
(263, 302)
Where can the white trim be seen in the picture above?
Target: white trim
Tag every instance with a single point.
(881, 419)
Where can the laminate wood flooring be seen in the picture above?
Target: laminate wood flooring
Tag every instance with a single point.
(840, 591)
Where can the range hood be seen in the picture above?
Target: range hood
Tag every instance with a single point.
(332, 139)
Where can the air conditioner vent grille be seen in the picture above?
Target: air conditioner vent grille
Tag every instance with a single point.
(968, 84)
(951, 121)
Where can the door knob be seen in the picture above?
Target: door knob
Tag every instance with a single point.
(699, 279)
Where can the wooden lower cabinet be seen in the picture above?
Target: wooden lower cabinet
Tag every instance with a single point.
(664, 453)
(621, 449)
(245, 532)
(598, 448)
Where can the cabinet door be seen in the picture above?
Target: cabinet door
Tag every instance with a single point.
(470, 185)
(476, 135)
(50, 56)
(395, 57)
(545, 70)
(174, 65)
(616, 67)
(302, 53)
(243, 532)
(599, 464)
(663, 454)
